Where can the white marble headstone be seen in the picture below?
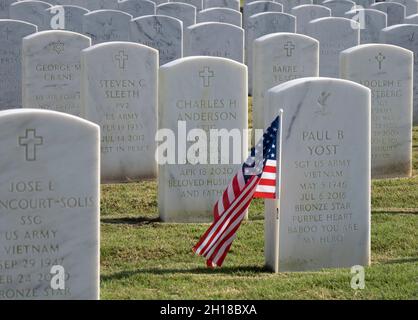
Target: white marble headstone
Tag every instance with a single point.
(137, 8)
(11, 34)
(308, 12)
(67, 18)
(322, 219)
(205, 93)
(182, 11)
(280, 57)
(261, 24)
(52, 70)
(388, 72)
(339, 7)
(214, 39)
(49, 216)
(405, 36)
(119, 93)
(4, 8)
(225, 15)
(289, 4)
(411, 6)
(106, 25)
(395, 11)
(259, 7)
(412, 19)
(159, 32)
(196, 3)
(232, 4)
(32, 12)
(371, 22)
(334, 34)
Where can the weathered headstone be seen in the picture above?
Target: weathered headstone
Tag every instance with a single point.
(67, 18)
(388, 72)
(394, 11)
(280, 57)
(159, 32)
(322, 219)
(119, 93)
(186, 13)
(137, 8)
(31, 11)
(11, 34)
(52, 70)
(371, 22)
(205, 93)
(411, 6)
(339, 7)
(106, 25)
(334, 34)
(231, 4)
(261, 24)
(308, 12)
(214, 39)
(405, 36)
(412, 19)
(289, 4)
(225, 15)
(49, 212)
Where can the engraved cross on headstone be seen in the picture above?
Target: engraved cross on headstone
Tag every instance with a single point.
(379, 58)
(121, 57)
(158, 27)
(7, 32)
(289, 47)
(206, 74)
(30, 141)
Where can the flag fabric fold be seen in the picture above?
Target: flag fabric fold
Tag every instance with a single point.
(256, 178)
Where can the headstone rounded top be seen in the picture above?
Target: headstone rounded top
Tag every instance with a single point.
(47, 113)
(65, 6)
(18, 22)
(374, 46)
(202, 59)
(158, 16)
(369, 10)
(401, 26)
(221, 9)
(278, 35)
(310, 6)
(319, 80)
(178, 4)
(339, 19)
(118, 44)
(105, 11)
(342, 1)
(56, 33)
(264, 14)
(213, 24)
(30, 1)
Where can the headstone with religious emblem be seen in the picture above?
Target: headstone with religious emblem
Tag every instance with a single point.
(66, 18)
(186, 13)
(231, 4)
(159, 32)
(261, 24)
(334, 34)
(395, 11)
(210, 94)
(405, 36)
(52, 70)
(31, 11)
(308, 12)
(388, 72)
(106, 25)
(137, 8)
(322, 217)
(339, 7)
(11, 34)
(371, 22)
(214, 39)
(119, 93)
(280, 57)
(49, 220)
(225, 15)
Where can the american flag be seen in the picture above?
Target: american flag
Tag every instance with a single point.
(256, 178)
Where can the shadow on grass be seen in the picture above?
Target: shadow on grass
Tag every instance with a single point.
(394, 211)
(401, 260)
(197, 271)
(139, 221)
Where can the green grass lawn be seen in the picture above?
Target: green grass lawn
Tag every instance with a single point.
(142, 258)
